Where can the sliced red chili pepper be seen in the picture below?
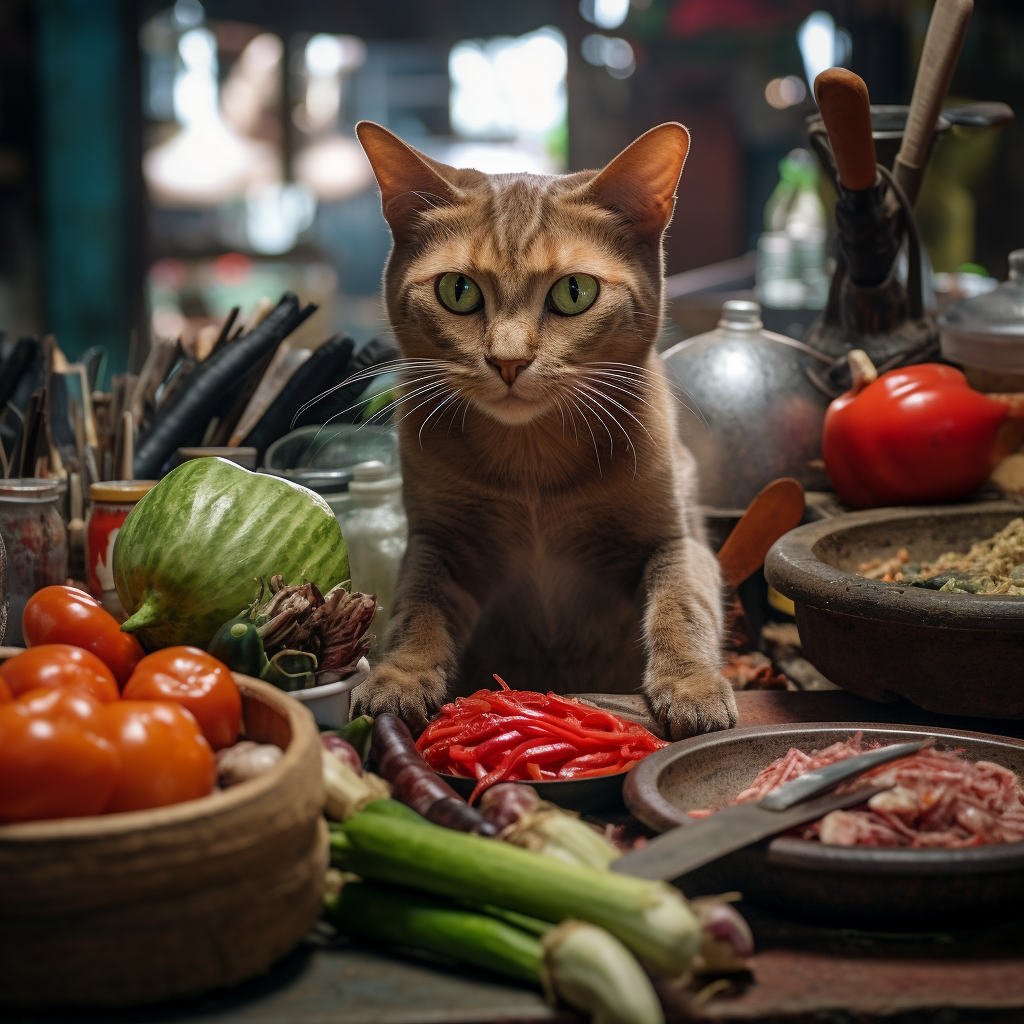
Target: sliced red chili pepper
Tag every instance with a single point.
(586, 761)
(480, 729)
(502, 770)
(510, 733)
(546, 753)
(430, 736)
(438, 748)
(495, 744)
(474, 703)
(593, 773)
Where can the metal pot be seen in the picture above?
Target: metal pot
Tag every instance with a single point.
(749, 412)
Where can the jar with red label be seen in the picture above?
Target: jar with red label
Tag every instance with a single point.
(109, 505)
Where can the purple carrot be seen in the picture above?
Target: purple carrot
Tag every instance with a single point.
(417, 784)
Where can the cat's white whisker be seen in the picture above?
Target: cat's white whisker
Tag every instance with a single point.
(605, 379)
(433, 412)
(593, 437)
(455, 414)
(438, 387)
(385, 391)
(609, 398)
(573, 419)
(354, 406)
(638, 377)
(561, 412)
(669, 385)
(391, 366)
(595, 396)
(435, 396)
(600, 419)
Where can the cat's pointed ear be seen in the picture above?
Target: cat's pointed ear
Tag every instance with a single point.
(640, 183)
(410, 182)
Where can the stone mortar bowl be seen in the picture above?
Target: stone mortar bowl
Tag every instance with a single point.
(837, 886)
(954, 654)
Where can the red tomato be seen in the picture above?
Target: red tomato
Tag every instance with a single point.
(54, 760)
(5, 693)
(164, 757)
(195, 680)
(59, 665)
(64, 615)
(63, 705)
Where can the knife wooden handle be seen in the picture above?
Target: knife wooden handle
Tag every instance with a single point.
(846, 110)
(942, 45)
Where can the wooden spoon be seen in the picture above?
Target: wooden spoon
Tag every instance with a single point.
(776, 510)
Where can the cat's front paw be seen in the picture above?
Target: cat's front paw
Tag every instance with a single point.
(413, 696)
(702, 702)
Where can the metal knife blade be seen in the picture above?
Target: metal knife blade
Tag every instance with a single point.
(691, 846)
(823, 779)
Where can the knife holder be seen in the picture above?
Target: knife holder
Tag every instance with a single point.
(869, 306)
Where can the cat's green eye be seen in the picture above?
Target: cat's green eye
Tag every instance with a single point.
(573, 294)
(459, 293)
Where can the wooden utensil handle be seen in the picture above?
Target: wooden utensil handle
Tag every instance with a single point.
(846, 110)
(775, 510)
(942, 45)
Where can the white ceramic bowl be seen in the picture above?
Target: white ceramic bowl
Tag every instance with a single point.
(330, 703)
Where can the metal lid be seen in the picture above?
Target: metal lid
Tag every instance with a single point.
(741, 315)
(324, 481)
(30, 489)
(374, 477)
(996, 313)
(120, 491)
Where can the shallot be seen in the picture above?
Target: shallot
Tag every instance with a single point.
(525, 820)
(245, 760)
(343, 751)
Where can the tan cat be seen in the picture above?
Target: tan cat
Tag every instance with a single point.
(553, 537)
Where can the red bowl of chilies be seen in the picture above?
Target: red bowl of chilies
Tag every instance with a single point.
(572, 753)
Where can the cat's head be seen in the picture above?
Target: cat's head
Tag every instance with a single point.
(521, 285)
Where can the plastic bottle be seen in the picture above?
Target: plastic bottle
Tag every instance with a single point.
(376, 532)
(791, 252)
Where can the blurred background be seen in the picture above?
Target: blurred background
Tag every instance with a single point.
(162, 162)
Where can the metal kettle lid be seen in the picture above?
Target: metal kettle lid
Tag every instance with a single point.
(999, 312)
(741, 315)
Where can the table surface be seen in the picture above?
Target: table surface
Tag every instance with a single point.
(799, 972)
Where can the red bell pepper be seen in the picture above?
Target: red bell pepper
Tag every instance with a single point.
(916, 435)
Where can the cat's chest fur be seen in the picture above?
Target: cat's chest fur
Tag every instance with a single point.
(555, 573)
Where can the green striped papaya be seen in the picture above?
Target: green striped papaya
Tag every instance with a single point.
(196, 549)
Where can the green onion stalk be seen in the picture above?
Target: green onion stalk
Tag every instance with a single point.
(650, 918)
(578, 962)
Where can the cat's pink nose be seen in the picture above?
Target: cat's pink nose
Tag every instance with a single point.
(509, 368)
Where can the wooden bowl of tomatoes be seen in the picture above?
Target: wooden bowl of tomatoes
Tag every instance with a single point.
(142, 903)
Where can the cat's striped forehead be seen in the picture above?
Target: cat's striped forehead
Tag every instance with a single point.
(510, 227)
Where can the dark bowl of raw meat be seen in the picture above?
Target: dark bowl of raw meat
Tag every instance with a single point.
(870, 887)
(955, 654)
